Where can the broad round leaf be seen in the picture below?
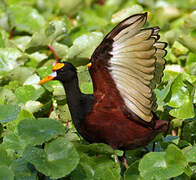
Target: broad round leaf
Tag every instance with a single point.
(25, 18)
(14, 142)
(4, 158)
(27, 93)
(56, 160)
(22, 171)
(190, 154)
(163, 165)
(38, 131)
(181, 99)
(8, 57)
(132, 172)
(6, 173)
(8, 113)
(84, 45)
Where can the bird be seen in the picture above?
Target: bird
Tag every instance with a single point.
(125, 69)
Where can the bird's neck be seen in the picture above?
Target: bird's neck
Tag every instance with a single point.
(74, 97)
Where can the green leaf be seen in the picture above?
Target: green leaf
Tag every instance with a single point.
(85, 169)
(126, 12)
(132, 172)
(99, 167)
(13, 142)
(8, 57)
(32, 106)
(4, 158)
(178, 49)
(6, 173)
(191, 63)
(97, 23)
(162, 94)
(190, 154)
(22, 42)
(38, 131)
(27, 93)
(16, 75)
(57, 160)
(95, 148)
(84, 45)
(7, 96)
(175, 160)
(181, 99)
(31, 22)
(55, 31)
(85, 80)
(106, 169)
(22, 171)
(163, 165)
(8, 113)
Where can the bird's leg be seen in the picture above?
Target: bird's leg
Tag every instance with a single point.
(116, 158)
(124, 160)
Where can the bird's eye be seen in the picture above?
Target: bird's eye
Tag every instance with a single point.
(61, 70)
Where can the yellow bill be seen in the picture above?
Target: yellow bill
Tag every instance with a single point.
(48, 78)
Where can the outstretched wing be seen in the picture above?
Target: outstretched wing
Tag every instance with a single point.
(135, 60)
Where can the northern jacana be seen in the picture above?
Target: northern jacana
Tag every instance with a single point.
(125, 69)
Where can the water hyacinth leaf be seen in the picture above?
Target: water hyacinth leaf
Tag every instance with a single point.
(13, 142)
(70, 7)
(6, 173)
(16, 75)
(27, 93)
(85, 168)
(189, 133)
(84, 45)
(22, 171)
(191, 63)
(175, 160)
(30, 2)
(4, 158)
(97, 23)
(162, 94)
(96, 167)
(106, 169)
(31, 22)
(181, 99)
(55, 31)
(8, 57)
(58, 158)
(132, 172)
(8, 113)
(178, 49)
(61, 50)
(162, 165)
(21, 42)
(126, 12)
(188, 41)
(96, 148)
(38, 131)
(190, 154)
(33, 80)
(32, 106)
(7, 96)
(1, 41)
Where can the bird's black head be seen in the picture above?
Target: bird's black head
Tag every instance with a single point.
(64, 72)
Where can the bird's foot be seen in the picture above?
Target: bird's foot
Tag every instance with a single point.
(124, 162)
(116, 159)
